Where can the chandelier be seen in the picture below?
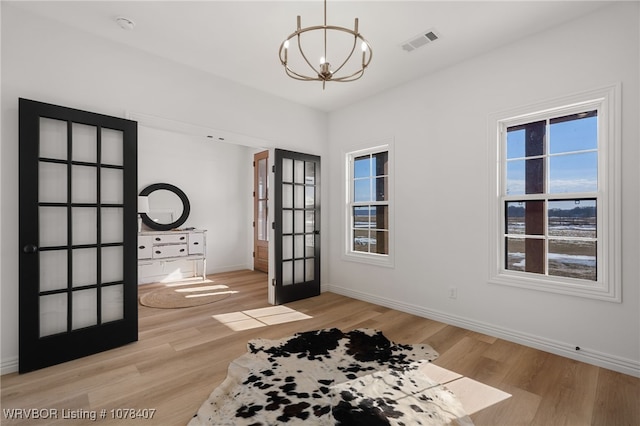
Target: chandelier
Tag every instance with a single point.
(347, 70)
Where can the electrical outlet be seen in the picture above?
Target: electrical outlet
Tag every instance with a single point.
(453, 292)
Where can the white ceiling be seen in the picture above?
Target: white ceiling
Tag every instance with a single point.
(239, 40)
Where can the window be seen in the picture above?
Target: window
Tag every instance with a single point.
(557, 202)
(369, 206)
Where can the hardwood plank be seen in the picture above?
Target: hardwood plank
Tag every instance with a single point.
(183, 354)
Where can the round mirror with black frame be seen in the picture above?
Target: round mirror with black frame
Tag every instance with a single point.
(166, 202)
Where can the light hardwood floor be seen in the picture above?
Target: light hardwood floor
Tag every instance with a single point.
(183, 354)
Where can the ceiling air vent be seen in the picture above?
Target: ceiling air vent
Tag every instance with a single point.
(420, 40)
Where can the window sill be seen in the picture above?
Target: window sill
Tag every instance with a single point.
(371, 259)
(558, 285)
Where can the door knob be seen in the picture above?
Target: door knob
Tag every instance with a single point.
(29, 249)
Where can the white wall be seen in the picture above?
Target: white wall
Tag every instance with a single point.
(217, 177)
(439, 125)
(48, 62)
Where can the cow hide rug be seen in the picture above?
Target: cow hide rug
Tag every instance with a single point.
(328, 377)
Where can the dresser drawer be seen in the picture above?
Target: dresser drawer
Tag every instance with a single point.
(173, 250)
(196, 243)
(145, 244)
(170, 238)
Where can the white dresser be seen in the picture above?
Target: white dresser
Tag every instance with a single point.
(171, 246)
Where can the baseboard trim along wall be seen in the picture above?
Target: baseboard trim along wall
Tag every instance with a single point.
(9, 366)
(621, 365)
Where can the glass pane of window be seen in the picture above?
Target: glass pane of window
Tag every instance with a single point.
(362, 167)
(361, 240)
(362, 190)
(525, 217)
(380, 242)
(573, 173)
(515, 254)
(576, 259)
(361, 217)
(381, 189)
(575, 132)
(380, 163)
(572, 218)
(379, 217)
(515, 143)
(515, 177)
(514, 212)
(262, 178)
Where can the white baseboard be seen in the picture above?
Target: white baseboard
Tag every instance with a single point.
(9, 365)
(600, 359)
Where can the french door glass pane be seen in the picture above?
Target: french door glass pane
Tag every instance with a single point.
(111, 264)
(52, 227)
(262, 179)
(299, 246)
(287, 170)
(111, 147)
(287, 196)
(111, 184)
(53, 270)
(84, 225)
(309, 221)
(53, 314)
(310, 196)
(85, 143)
(309, 240)
(53, 139)
(309, 269)
(287, 247)
(112, 303)
(310, 173)
(287, 273)
(263, 233)
(298, 171)
(298, 270)
(84, 305)
(84, 181)
(575, 259)
(287, 221)
(85, 267)
(111, 222)
(299, 197)
(299, 222)
(52, 182)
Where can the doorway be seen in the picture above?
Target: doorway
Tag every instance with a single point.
(261, 211)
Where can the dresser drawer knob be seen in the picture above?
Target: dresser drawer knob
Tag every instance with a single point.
(158, 252)
(196, 243)
(142, 247)
(158, 239)
(182, 238)
(181, 250)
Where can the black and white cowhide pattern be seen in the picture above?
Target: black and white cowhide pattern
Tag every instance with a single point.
(328, 377)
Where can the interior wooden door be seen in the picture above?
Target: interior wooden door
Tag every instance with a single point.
(78, 231)
(296, 226)
(261, 211)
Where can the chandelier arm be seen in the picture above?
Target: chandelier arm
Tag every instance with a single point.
(291, 73)
(305, 56)
(353, 48)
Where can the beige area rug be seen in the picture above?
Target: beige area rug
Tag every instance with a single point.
(186, 294)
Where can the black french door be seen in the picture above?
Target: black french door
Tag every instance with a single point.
(78, 232)
(296, 226)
